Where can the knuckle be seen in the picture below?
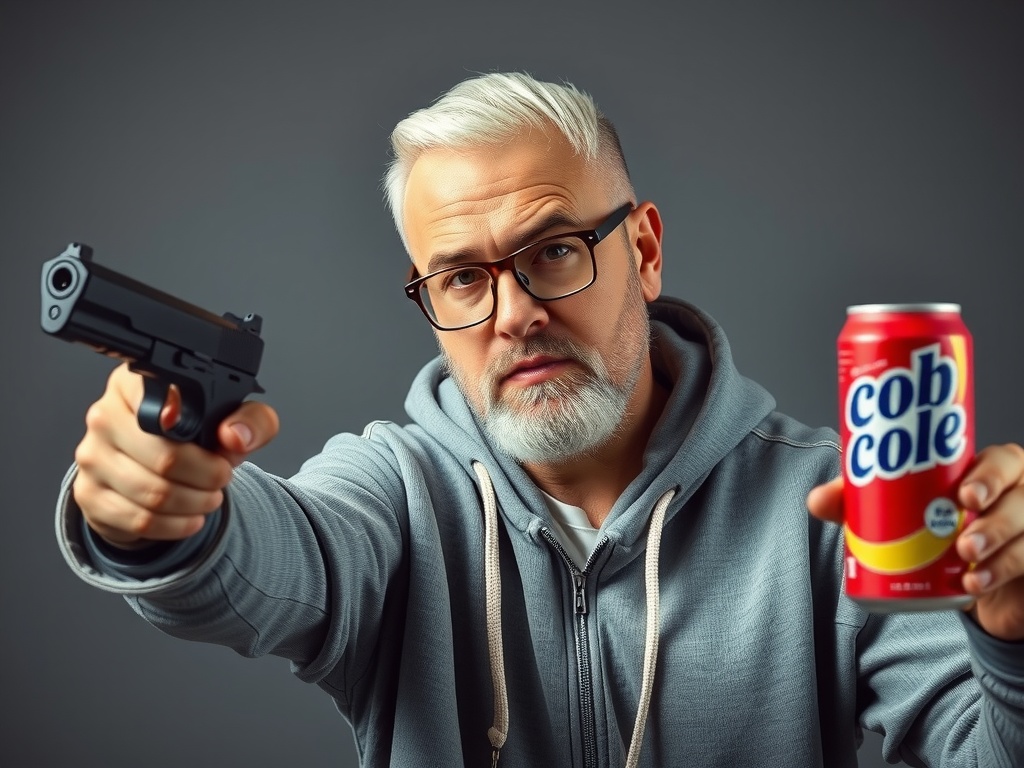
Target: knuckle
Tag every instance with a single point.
(274, 421)
(1016, 450)
(213, 502)
(996, 529)
(85, 455)
(157, 496)
(1016, 497)
(142, 523)
(223, 475)
(96, 417)
(83, 491)
(166, 460)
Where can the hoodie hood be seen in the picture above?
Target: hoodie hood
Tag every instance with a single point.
(710, 403)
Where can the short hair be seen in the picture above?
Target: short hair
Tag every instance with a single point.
(493, 108)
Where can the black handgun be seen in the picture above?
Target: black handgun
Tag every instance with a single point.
(212, 360)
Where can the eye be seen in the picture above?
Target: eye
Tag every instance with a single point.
(463, 278)
(552, 252)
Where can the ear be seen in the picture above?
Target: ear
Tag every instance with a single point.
(646, 236)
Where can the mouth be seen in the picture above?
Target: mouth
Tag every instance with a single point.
(534, 370)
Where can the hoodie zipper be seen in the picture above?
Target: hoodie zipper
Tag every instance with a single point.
(583, 663)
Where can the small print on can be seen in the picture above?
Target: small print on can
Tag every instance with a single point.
(906, 396)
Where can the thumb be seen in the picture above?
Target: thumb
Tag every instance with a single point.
(825, 502)
(248, 429)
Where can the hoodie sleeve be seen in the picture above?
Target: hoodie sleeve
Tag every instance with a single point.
(297, 568)
(920, 690)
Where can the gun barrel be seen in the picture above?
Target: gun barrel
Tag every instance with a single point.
(86, 302)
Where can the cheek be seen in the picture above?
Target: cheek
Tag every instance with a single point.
(600, 308)
(618, 325)
(461, 356)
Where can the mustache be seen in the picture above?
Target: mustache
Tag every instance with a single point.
(553, 346)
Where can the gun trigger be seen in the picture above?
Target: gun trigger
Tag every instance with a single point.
(152, 404)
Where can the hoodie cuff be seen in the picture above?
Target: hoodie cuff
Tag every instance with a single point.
(1003, 658)
(157, 560)
(160, 568)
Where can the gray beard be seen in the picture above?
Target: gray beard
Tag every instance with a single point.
(571, 415)
(564, 418)
(558, 419)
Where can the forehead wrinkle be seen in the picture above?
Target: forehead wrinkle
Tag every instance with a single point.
(477, 203)
(457, 236)
(479, 235)
(537, 216)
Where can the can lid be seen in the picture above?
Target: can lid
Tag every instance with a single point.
(877, 309)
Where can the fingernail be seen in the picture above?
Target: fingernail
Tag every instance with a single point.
(979, 491)
(243, 432)
(982, 578)
(976, 543)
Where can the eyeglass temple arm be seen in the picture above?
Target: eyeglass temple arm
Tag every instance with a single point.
(613, 221)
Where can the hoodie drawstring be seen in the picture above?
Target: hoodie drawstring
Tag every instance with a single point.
(653, 624)
(498, 732)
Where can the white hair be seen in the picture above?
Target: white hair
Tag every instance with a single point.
(492, 109)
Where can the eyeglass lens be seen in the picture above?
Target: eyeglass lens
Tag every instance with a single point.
(547, 270)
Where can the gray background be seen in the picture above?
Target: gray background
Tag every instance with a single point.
(805, 156)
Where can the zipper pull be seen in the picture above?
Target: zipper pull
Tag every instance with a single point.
(580, 582)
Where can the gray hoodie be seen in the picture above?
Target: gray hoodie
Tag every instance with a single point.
(412, 573)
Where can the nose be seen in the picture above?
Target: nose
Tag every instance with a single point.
(517, 313)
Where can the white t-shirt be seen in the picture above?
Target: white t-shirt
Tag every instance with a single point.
(572, 529)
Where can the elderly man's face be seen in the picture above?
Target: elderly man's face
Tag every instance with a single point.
(533, 363)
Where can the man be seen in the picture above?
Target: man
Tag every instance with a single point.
(590, 546)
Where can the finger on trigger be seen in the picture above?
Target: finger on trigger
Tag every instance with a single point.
(171, 411)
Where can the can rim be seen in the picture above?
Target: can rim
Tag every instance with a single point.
(874, 309)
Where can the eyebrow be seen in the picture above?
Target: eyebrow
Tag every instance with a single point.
(559, 219)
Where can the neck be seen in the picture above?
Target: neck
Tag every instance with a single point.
(594, 481)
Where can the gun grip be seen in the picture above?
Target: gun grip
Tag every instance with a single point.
(190, 421)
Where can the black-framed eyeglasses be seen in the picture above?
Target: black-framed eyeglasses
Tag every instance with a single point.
(558, 266)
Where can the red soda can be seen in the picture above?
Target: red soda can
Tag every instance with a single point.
(906, 395)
